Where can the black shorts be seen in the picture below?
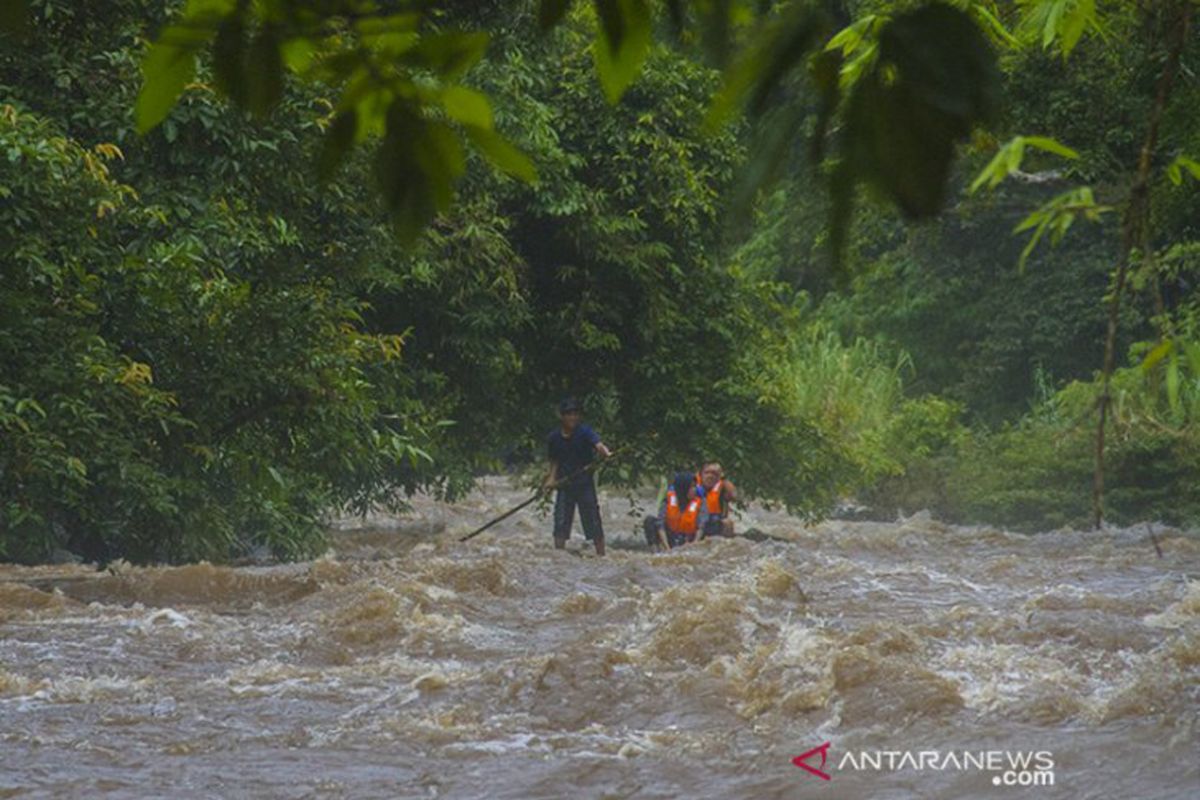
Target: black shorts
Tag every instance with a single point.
(582, 496)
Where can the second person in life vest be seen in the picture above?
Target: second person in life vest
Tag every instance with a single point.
(694, 507)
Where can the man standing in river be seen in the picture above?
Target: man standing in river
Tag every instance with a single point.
(572, 447)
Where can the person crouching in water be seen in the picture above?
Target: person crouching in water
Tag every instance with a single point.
(694, 507)
(572, 447)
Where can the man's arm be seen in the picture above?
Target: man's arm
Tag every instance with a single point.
(600, 446)
(551, 476)
(731, 495)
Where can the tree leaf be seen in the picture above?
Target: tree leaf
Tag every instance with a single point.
(1176, 168)
(1160, 351)
(1173, 388)
(622, 45)
(993, 25)
(934, 79)
(1009, 157)
(417, 165)
(1076, 22)
(503, 154)
(169, 65)
(467, 106)
(779, 47)
(1050, 146)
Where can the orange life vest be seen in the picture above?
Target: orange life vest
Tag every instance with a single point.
(686, 519)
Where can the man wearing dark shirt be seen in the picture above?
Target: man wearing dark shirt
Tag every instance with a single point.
(572, 447)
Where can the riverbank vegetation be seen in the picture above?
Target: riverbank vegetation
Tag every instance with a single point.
(204, 348)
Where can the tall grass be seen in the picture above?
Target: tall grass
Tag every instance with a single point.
(855, 393)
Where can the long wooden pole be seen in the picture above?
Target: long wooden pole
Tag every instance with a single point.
(557, 484)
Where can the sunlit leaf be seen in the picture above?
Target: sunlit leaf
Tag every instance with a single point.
(298, 54)
(1056, 216)
(467, 106)
(1160, 351)
(1177, 167)
(1075, 22)
(1061, 21)
(1009, 157)
(1173, 380)
(169, 65)
(1050, 146)
(392, 35)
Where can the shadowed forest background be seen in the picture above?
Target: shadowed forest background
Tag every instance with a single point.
(204, 348)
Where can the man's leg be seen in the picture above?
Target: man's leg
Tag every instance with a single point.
(589, 516)
(727, 527)
(650, 531)
(564, 513)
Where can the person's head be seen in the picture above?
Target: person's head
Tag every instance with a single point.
(570, 411)
(710, 473)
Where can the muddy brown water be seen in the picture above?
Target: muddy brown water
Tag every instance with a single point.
(407, 665)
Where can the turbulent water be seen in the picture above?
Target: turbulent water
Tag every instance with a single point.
(405, 664)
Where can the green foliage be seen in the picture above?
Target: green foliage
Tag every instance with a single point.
(622, 43)
(1058, 22)
(399, 82)
(1036, 474)
(1176, 169)
(899, 103)
(155, 404)
(916, 103)
(224, 351)
(1056, 216)
(399, 77)
(1008, 158)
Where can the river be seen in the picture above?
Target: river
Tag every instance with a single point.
(404, 664)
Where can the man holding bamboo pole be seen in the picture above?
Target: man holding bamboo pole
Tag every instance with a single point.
(571, 448)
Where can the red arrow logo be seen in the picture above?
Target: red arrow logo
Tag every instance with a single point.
(800, 759)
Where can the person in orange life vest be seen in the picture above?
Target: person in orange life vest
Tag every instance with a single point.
(694, 505)
(715, 493)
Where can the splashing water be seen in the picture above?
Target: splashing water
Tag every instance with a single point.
(407, 665)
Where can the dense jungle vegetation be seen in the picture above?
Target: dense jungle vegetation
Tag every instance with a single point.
(266, 307)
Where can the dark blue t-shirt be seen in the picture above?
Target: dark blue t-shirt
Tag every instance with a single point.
(573, 453)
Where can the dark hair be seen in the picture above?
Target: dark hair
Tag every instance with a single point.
(569, 403)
